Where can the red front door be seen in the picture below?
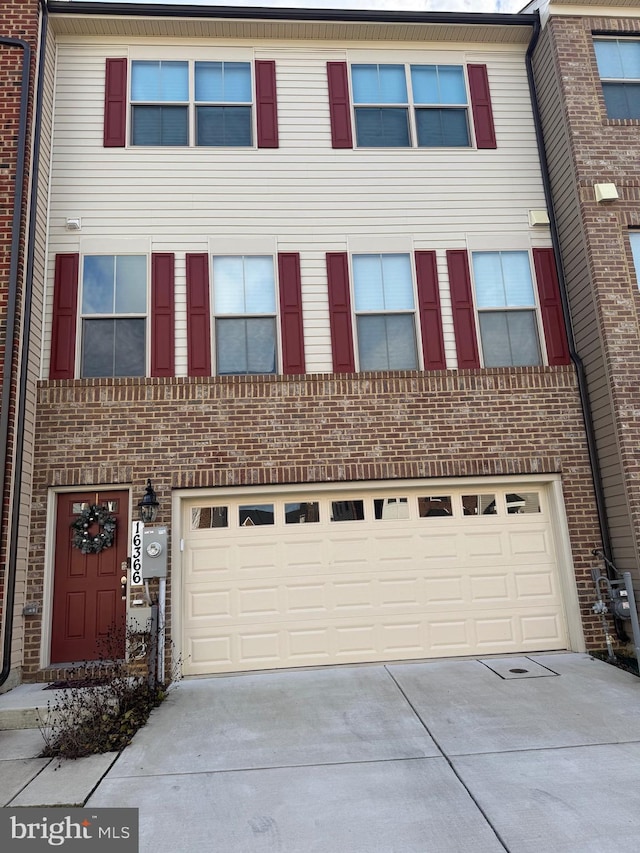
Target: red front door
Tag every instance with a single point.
(88, 620)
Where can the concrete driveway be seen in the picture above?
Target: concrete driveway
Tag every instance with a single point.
(528, 755)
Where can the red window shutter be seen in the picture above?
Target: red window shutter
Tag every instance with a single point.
(162, 314)
(551, 307)
(198, 315)
(340, 312)
(115, 103)
(339, 105)
(463, 312)
(291, 313)
(65, 312)
(481, 106)
(266, 103)
(430, 314)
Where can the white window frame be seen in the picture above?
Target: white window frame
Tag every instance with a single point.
(81, 316)
(191, 104)
(214, 316)
(535, 308)
(411, 107)
(355, 313)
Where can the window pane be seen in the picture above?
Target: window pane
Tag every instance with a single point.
(159, 81)
(206, 517)
(388, 509)
(244, 285)
(435, 506)
(379, 84)
(131, 284)
(246, 346)
(301, 513)
(387, 342)
(608, 58)
(630, 58)
(160, 126)
(382, 128)
(487, 274)
(254, 515)
(97, 348)
(634, 237)
(478, 504)
(259, 285)
(438, 84)
(113, 348)
(228, 285)
(516, 271)
(129, 348)
(523, 502)
(223, 82)
(98, 284)
(442, 128)
(347, 510)
(382, 283)
(622, 99)
(502, 279)
(218, 126)
(509, 338)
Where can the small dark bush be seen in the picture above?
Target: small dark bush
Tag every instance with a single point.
(101, 707)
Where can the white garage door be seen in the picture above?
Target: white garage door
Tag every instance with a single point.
(284, 579)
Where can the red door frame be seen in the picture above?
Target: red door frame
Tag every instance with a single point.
(88, 609)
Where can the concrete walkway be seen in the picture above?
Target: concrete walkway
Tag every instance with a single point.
(530, 755)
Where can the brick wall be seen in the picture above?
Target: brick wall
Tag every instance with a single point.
(18, 20)
(606, 151)
(225, 431)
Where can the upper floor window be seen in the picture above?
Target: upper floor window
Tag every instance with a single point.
(114, 315)
(244, 307)
(619, 68)
(385, 312)
(408, 106)
(180, 103)
(506, 304)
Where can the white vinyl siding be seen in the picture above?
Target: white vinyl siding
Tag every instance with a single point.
(305, 194)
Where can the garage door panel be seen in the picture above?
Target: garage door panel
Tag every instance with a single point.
(368, 588)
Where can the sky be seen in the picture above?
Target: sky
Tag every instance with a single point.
(390, 5)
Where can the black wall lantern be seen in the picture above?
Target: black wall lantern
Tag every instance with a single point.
(149, 505)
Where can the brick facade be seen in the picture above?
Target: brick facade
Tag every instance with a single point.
(603, 150)
(235, 431)
(19, 20)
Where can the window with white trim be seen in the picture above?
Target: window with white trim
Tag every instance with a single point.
(244, 307)
(114, 315)
(507, 313)
(181, 103)
(385, 312)
(619, 68)
(410, 106)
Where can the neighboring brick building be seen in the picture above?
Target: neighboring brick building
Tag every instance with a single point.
(587, 69)
(301, 276)
(19, 33)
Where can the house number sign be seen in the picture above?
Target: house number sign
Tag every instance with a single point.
(136, 553)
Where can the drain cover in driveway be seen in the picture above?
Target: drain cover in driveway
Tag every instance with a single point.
(517, 668)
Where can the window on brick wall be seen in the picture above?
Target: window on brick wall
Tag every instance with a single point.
(634, 238)
(506, 305)
(114, 315)
(244, 307)
(385, 312)
(619, 68)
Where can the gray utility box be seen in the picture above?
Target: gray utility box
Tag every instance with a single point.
(154, 552)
